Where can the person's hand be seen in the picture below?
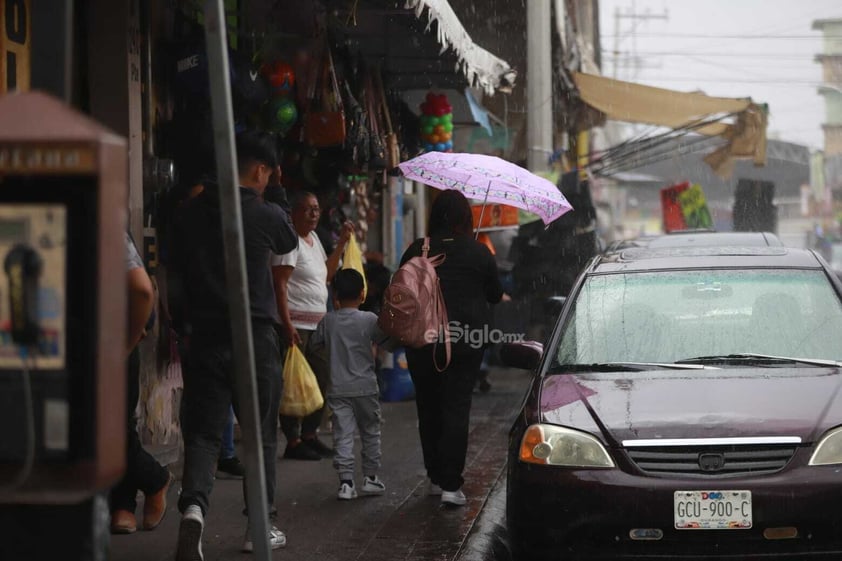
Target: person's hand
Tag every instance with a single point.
(506, 298)
(291, 335)
(275, 177)
(347, 232)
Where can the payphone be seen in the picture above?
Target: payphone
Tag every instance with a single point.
(62, 302)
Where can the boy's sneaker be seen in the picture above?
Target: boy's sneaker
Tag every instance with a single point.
(319, 447)
(346, 492)
(454, 498)
(373, 486)
(190, 535)
(277, 539)
(230, 468)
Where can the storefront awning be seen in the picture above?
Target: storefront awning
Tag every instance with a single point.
(696, 112)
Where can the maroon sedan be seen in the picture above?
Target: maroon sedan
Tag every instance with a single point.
(687, 406)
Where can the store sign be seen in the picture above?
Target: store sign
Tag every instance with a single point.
(15, 45)
(46, 158)
(495, 217)
(684, 206)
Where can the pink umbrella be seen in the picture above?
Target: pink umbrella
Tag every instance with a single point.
(488, 178)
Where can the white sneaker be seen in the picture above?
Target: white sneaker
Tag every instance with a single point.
(373, 486)
(455, 498)
(277, 540)
(190, 535)
(433, 490)
(346, 492)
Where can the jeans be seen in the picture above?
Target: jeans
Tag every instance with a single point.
(228, 450)
(443, 400)
(143, 472)
(294, 427)
(209, 391)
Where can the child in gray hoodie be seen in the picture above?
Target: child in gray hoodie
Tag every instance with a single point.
(349, 333)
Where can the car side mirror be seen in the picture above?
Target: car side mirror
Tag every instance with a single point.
(523, 354)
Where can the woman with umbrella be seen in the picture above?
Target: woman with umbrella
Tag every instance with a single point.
(469, 284)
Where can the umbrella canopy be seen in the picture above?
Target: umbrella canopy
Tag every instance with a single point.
(489, 179)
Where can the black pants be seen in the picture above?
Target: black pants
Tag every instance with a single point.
(443, 400)
(209, 391)
(143, 472)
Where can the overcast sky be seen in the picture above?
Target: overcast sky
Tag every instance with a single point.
(763, 49)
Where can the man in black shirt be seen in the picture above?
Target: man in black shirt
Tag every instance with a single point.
(209, 379)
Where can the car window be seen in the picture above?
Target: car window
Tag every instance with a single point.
(669, 316)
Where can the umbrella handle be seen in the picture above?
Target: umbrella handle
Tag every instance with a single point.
(482, 211)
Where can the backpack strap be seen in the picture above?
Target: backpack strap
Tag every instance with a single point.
(425, 247)
(425, 251)
(445, 327)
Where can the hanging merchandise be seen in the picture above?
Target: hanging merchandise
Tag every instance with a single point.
(437, 123)
(378, 147)
(357, 149)
(281, 115)
(393, 153)
(280, 76)
(362, 204)
(324, 120)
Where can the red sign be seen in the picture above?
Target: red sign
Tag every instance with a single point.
(671, 207)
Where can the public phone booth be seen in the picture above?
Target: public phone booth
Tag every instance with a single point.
(62, 302)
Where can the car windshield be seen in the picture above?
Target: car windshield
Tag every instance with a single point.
(675, 315)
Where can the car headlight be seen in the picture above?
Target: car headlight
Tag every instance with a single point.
(829, 449)
(559, 446)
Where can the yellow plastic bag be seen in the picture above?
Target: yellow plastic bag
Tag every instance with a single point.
(353, 259)
(301, 389)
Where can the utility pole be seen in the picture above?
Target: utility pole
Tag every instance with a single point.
(539, 89)
(635, 19)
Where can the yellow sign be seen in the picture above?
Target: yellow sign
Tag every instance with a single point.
(15, 45)
(694, 207)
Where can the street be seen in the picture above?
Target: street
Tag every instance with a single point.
(405, 524)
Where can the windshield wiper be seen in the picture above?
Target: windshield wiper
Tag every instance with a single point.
(624, 367)
(749, 358)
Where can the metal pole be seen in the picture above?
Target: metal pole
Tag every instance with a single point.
(539, 89)
(235, 272)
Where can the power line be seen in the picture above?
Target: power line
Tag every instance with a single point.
(732, 54)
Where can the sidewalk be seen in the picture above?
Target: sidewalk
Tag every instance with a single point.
(404, 524)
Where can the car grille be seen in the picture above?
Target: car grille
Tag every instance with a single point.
(712, 461)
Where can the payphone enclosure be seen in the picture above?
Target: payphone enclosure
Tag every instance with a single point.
(63, 200)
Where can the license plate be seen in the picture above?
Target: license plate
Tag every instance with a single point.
(712, 510)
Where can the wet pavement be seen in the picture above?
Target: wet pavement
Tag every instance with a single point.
(404, 524)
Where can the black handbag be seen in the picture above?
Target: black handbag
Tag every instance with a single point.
(377, 160)
(357, 143)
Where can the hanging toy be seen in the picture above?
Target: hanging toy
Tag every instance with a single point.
(437, 123)
(281, 114)
(281, 77)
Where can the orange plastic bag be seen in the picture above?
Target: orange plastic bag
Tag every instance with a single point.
(302, 395)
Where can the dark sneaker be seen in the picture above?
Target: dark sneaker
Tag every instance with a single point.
(230, 468)
(319, 447)
(301, 452)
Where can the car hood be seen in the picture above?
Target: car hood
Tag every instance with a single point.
(801, 402)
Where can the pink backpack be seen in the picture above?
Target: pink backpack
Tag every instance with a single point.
(413, 309)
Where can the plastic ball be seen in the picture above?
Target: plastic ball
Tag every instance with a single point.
(445, 136)
(428, 129)
(440, 147)
(439, 129)
(282, 114)
(448, 127)
(280, 75)
(428, 147)
(435, 121)
(449, 145)
(441, 112)
(448, 118)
